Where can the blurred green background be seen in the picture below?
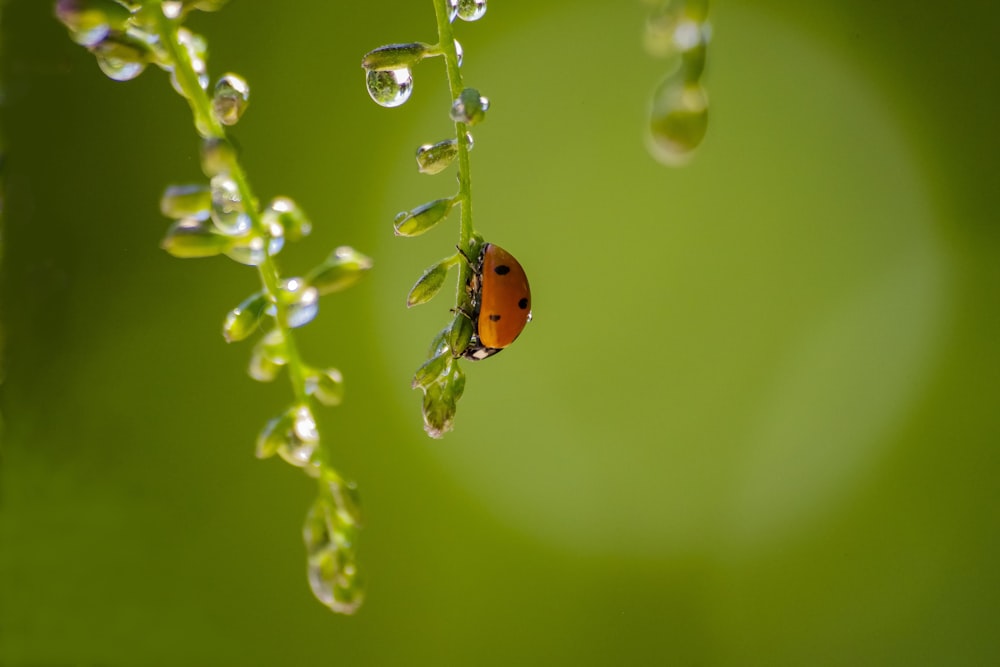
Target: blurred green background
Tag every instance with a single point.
(754, 422)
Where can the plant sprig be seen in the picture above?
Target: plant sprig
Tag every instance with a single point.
(390, 82)
(225, 217)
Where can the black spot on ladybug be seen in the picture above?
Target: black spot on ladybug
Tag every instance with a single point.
(494, 317)
(502, 270)
(523, 303)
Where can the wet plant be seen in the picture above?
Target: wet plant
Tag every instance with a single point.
(678, 31)
(222, 216)
(389, 79)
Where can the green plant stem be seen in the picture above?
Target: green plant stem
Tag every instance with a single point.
(446, 44)
(201, 107)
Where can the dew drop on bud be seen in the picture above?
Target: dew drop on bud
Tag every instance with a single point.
(217, 156)
(268, 356)
(230, 99)
(90, 21)
(197, 49)
(334, 579)
(326, 385)
(452, 10)
(678, 121)
(470, 107)
(248, 250)
(183, 201)
(471, 10)
(301, 302)
(435, 158)
(121, 57)
(172, 8)
(390, 87)
(286, 214)
(459, 54)
(228, 212)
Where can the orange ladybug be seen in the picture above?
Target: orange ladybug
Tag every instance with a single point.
(501, 302)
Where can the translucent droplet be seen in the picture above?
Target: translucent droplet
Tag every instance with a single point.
(228, 212)
(459, 53)
(678, 121)
(120, 56)
(471, 10)
(452, 10)
(334, 580)
(230, 99)
(391, 87)
(172, 8)
(248, 250)
(470, 107)
(469, 141)
(186, 201)
(435, 158)
(301, 302)
(245, 318)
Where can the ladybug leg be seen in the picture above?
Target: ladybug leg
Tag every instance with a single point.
(462, 253)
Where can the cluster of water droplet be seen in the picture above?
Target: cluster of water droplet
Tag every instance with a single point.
(679, 31)
(441, 378)
(221, 217)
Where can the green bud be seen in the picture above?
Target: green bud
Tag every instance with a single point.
(432, 370)
(430, 283)
(395, 56)
(459, 334)
(292, 435)
(344, 267)
(326, 385)
(190, 238)
(346, 499)
(245, 318)
(90, 21)
(183, 201)
(470, 107)
(435, 158)
(274, 435)
(285, 213)
(217, 156)
(423, 217)
(269, 355)
(455, 382)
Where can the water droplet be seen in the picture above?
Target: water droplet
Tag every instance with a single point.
(459, 53)
(245, 318)
(120, 56)
(678, 121)
(230, 99)
(452, 10)
(469, 141)
(186, 201)
(470, 107)
(391, 87)
(471, 10)
(172, 8)
(248, 250)
(301, 302)
(227, 207)
(435, 158)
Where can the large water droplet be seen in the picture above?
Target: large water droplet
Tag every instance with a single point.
(230, 99)
(471, 10)
(120, 56)
(678, 121)
(391, 87)
(228, 212)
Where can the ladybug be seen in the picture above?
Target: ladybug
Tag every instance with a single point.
(501, 302)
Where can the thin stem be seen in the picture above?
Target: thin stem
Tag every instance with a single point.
(201, 107)
(446, 43)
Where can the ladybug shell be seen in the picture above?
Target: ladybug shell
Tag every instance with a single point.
(503, 302)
